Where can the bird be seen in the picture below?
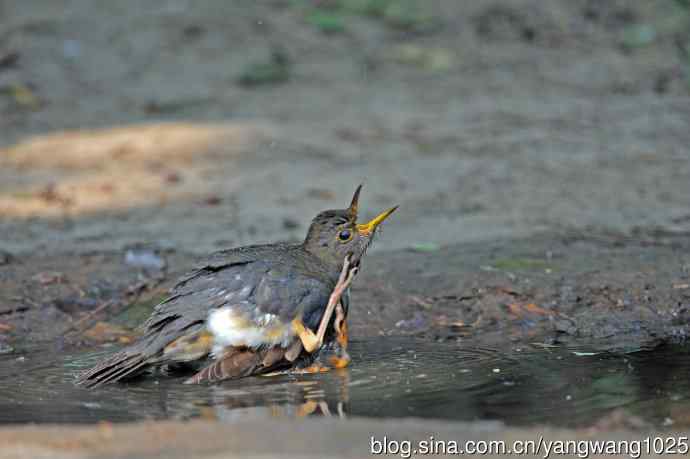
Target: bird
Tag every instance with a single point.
(257, 309)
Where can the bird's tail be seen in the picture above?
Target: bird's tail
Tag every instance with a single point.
(117, 367)
(148, 352)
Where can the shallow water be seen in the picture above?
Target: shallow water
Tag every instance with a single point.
(389, 377)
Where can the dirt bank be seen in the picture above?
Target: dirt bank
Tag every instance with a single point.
(309, 438)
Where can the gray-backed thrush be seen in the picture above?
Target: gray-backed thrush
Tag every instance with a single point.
(257, 309)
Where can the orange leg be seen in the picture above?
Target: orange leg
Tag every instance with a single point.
(336, 356)
(347, 275)
(343, 358)
(313, 341)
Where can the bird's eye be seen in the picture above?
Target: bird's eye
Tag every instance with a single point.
(345, 235)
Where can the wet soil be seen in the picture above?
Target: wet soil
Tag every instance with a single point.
(612, 293)
(525, 150)
(309, 438)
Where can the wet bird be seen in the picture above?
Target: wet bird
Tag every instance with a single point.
(257, 309)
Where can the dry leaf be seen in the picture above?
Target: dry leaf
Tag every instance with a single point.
(104, 332)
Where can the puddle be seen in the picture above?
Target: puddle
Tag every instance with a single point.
(390, 377)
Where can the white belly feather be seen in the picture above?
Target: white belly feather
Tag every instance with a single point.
(230, 326)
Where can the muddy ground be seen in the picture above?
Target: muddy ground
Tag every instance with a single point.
(538, 150)
(609, 294)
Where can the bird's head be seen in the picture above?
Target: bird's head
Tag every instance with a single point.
(335, 234)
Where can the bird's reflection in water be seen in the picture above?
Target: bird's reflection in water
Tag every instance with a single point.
(324, 394)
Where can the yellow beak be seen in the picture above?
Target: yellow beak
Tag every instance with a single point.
(366, 229)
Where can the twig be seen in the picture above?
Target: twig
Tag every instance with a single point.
(76, 325)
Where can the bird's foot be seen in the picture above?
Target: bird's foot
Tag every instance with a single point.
(311, 369)
(310, 341)
(334, 360)
(347, 275)
(340, 361)
(340, 326)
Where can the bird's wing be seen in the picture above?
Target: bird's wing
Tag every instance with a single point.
(198, 293)
(256, 298)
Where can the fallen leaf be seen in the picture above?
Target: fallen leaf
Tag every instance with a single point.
(320, 193)
(51, 194)
(507, 291)
(433, 59)
(49, 277)
(104, 332)
(531, 307)
(515, 309)
(24, 96)
(521, 310)
(426, 247)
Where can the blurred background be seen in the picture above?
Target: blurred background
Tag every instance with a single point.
(201, 125)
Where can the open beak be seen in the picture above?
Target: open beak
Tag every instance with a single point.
(366, 229)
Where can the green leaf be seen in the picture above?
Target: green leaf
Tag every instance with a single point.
(326, 22)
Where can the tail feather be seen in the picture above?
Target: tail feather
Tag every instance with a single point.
(115, 368)
(150, 351)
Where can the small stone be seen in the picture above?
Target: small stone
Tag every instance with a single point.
(5, 258)
(5, 348)
(172, 177)
(145, 258)
(213, 200)
(290, 223)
